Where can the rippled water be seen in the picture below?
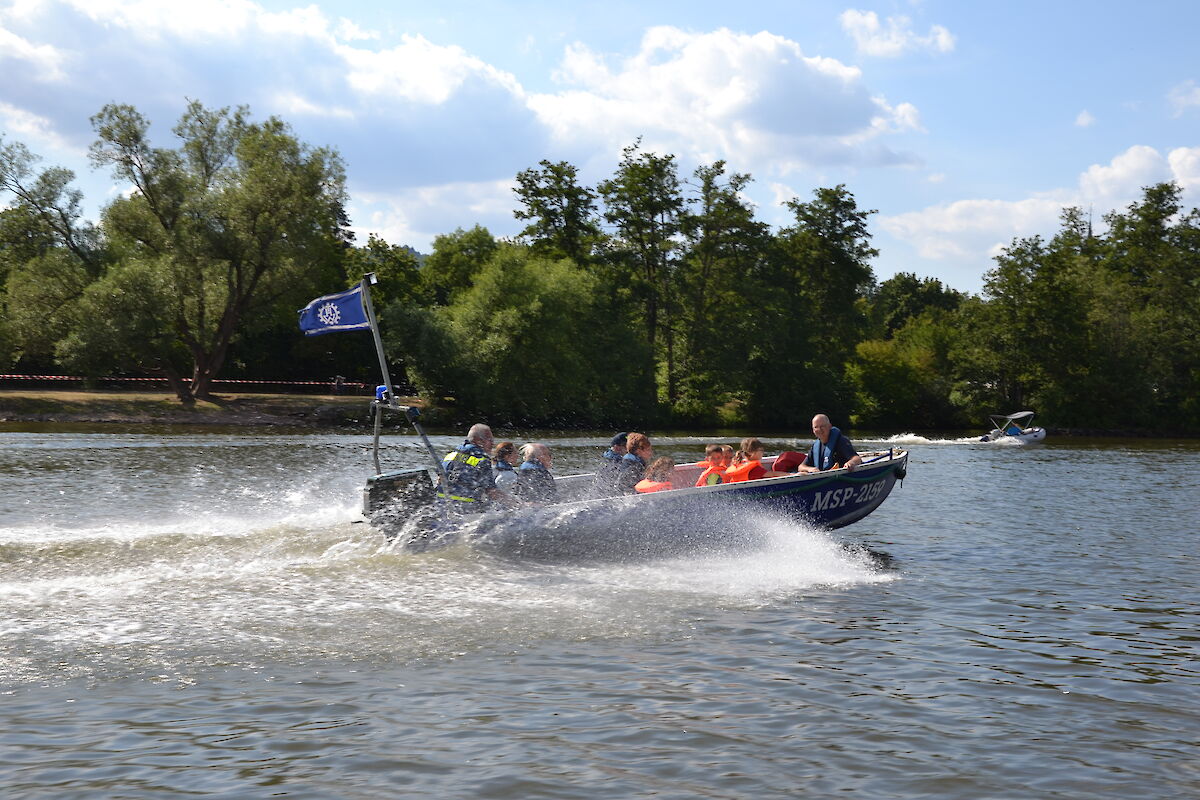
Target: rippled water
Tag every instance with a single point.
(199, 613)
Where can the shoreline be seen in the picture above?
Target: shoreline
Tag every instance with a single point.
(105, 407)
(162, 408)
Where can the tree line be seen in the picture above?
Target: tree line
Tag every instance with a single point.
(650, 298)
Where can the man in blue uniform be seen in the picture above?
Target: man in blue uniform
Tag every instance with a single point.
(831, 449)
(606, 474)
(471, 484)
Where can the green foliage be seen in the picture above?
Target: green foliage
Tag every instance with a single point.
(689, 311)
(644, 202)
(530, 341)
(904, 296)
(456, 258)
(563, 222)
(397, 268)
(904, 382)
(41, 297)
(717, 273)
(234, 221)
(817, 271)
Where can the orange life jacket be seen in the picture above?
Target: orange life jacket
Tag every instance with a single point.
(705, 478)
(741, 472)
(644, 486)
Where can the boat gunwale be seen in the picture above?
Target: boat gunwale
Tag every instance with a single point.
(798, 480)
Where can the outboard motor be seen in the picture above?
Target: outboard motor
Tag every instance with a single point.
(400, 492)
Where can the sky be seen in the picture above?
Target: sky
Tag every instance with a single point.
(964, 125)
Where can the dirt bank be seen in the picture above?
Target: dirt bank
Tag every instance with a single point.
(19, 405)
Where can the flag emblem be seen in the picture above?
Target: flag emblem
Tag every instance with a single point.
(329, 314)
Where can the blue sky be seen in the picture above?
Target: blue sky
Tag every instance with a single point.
(964, 124)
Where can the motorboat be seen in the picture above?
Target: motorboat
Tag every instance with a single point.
(1015, 428)
(404, 506)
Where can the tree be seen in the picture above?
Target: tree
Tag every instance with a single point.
(48, 254)
(562, 214)
(723, 246)
(905, 381)
(643, 200)
(816, 274)
(456, 258)
(48, 204)
(904, 296)
(529, 342)
(237, 219)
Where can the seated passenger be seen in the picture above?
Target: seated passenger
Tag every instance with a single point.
(831, 450)
(714, 466)
(1013, 430)
(747, 464)
(605, 483)
(506, 458)
(632, 467)
(468, 472)
(727, 456)
(535, 484)
(658, 476)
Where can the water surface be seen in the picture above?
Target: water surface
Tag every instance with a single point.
(200, 613)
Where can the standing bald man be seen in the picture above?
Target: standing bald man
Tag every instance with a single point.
(831, 449)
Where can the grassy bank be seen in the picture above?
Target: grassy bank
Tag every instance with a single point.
(48, 405)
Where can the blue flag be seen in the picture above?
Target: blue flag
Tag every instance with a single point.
(335, 312)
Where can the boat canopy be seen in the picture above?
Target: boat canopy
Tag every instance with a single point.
(1001, 421)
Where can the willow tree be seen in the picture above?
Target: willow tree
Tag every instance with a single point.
(48, 254)
(213, 234)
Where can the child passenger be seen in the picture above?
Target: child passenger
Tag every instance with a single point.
(727, 455)
(714, 461)
(747, 464)
(658, 476)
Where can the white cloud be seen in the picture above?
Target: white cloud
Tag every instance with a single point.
(25, 125)
(756, 100)
(1184, 96)
(1085, 119)
(46, 62)
(1119, 180)
(416, 215)
(1185, 167)
(408, 113)
(976, 229)
(151, 19)
(894, 38)
(419, 71)
(294, 105)
(348, 31)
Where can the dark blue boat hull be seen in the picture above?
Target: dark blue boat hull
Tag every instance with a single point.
(663, 523)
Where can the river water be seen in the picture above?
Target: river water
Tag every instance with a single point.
(198, 613)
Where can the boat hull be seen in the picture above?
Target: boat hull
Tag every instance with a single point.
(684, 519)
(1027, 436)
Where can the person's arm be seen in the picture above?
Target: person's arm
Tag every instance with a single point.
(846, 448)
